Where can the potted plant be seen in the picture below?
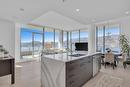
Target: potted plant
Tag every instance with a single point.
(124, 44)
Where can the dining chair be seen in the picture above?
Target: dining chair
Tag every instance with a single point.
(109, 58)
(126, 60)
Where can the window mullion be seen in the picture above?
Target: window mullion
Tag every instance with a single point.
(103, 38)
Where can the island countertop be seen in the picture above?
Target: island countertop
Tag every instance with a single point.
(64, 70)
(66, 57)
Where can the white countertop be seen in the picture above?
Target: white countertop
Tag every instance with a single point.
(65, 57)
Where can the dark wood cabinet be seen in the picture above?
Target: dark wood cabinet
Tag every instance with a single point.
(78, 72)
(7, 67)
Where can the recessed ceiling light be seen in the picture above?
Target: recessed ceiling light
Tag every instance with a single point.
(77, 10)
(127, 12)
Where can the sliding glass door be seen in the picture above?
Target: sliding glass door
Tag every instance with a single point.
(74, 39)
(65, 42)
(37, 44)
(100, 45)
(49, 38)
(31, 43)
(26, 44)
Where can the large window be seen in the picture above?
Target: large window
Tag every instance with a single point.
(57, 39)
(31, 42)
(48, 38)
(100, 39)
(74, 38)
(108, 37)
(37, 43)
(26, 43)
(83, 36)
(77, 36)
(65, 39)
(51, 38)
(69, 40)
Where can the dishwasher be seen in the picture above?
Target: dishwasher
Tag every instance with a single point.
(95, 64)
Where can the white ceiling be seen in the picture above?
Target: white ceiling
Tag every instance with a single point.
(56, 20)
(90, 10)
(99, 10)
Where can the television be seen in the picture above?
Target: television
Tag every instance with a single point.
(81, 46)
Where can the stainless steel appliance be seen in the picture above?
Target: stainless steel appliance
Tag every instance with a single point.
(96, 64)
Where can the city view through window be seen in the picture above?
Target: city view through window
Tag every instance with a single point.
(108, 37)
(32, 40)
(78, 36)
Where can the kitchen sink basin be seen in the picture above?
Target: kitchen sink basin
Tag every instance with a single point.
(76, 55)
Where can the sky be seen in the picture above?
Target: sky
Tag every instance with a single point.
(26, 35)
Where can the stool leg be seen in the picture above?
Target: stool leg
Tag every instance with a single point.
(105, 64)
(124, 64)
(113, 65)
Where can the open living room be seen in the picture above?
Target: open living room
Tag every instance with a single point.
(64, 43)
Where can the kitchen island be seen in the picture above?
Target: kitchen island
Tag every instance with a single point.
(69, 70)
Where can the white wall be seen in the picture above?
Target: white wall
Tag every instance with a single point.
(92, 39)
(17, 41)
(125, 26)
(7, 36)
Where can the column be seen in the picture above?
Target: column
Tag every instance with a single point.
(92, 39)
